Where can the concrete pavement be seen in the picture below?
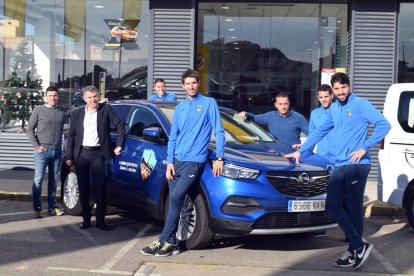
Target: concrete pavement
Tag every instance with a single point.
(17, 184)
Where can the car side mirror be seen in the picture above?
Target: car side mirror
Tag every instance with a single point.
(153, 134)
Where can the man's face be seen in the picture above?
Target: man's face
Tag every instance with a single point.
(52, 98)
(341, 91)
(282, 105)
(190, 86)
(91, 99)
(325, 98)
(159, 87)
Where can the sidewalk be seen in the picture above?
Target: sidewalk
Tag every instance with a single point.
(17, 185)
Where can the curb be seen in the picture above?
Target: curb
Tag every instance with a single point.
(376, 208)
(22, 196)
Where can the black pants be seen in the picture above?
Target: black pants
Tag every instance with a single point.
(91, 165)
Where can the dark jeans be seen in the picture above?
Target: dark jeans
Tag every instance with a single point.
(348, 182)
(186, 173)
(91, 163)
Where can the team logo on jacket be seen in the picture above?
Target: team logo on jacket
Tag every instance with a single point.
(349, 112)
(199, 108)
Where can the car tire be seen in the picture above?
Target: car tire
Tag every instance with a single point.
(193, 228)
(410, 208)
(70, 201)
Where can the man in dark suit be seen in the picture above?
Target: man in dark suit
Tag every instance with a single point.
(88, 146)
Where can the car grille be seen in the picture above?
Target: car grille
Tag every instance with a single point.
(295, 183)
(287, 220)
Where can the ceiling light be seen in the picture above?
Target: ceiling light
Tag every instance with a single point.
(233, 37)
(99, 7)
(236, 48)
(225, 8)
(309, 49)
(235, 43)
(339, 21)
(231, 30)
(229, 19)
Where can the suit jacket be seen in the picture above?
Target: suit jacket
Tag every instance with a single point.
(105, 116)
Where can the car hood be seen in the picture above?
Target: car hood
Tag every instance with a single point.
(263, 156)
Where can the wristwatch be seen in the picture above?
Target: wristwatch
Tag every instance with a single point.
(220, 159)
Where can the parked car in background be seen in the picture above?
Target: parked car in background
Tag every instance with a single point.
(132, 87)
(122, 33)
(396, 154)
(260, 191)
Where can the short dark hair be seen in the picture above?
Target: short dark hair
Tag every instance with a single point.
(340, 77)
(51, 88)
(282, 95)
(159, 80)
(324, 87)
(190, 73)
(90, 88)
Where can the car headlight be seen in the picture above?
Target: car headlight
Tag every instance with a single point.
(234, 171)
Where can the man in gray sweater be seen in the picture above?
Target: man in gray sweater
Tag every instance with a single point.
(45, 131)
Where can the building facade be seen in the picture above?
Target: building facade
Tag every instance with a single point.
(245, 51)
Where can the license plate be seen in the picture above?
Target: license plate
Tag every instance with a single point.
(306, 205)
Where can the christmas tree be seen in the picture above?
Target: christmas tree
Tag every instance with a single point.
(23, 90)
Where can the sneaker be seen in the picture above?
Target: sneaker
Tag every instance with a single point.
(38, 213)
(347, 259)
(55, 211)
(361, 255)
(151, 249)
(167, 249)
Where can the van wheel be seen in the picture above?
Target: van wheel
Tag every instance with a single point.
(71, 203)
(410, 209)
(193, 228)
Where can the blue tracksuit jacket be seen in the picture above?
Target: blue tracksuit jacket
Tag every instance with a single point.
(191, 129)
(351, 121)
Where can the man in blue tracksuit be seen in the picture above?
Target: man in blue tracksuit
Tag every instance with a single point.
(194, 118)
(351, 117)
(284, 124)
(160, 93)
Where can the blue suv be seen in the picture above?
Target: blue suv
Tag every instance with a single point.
(260, 191)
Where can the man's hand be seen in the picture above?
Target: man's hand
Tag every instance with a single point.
(243, 115)
(218, 167)
(295, 155)
(117, 150)
(170, 172)
(357, 155)
(40, 149)
(296, 146)
(69, 162)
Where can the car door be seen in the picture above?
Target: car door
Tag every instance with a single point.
(140, 170)
(397, 156)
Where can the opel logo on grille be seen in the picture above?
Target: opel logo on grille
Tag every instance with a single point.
(304, 178)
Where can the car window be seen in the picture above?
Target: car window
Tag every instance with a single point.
(141, 118)
(120, 110)
(235, 128)
(406, 111)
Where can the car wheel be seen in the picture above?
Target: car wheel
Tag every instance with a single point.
(71, 203)
(193, 228)
(118, 38)
(410, 209)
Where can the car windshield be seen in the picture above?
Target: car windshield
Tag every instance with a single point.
(236, 129)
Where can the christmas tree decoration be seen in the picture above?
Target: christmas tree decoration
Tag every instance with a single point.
(22, 91)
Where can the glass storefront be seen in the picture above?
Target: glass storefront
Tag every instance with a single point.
(406, 43)
(74, 43)
(248, 52)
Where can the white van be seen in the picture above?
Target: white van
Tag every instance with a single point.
(396, 155)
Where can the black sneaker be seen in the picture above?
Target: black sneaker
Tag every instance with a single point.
(151, 249)
(361, 255)
(167, 249)
(347, 259)
(38, 213)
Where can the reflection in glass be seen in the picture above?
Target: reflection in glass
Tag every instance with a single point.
(248, 52)
(406, 43)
